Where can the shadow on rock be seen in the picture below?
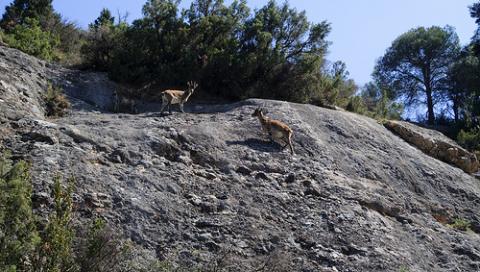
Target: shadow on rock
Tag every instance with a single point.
(158, 114)
(258, 145)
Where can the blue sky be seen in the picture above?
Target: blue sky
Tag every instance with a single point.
(361, 30)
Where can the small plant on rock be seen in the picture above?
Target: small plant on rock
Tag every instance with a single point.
(460, 224)
(102, 250)
(56, 102)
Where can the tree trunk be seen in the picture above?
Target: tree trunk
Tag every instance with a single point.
(455, 108)
(431, 113)
(428, 89)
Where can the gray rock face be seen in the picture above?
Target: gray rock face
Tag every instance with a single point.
(23, 80)
(205, 185)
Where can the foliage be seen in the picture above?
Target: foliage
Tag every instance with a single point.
(460, 224)
(234, 53)
(100, 41)
(213, 43)
(333, 87)
(380, 102)
(427, 67)
(356, 104)
(19, 12)
(27, 244)
(33, 27)
(72, 38)
(31, 39)
(19, 237)
(105, 19)
(56, 252)
(153, 48)
(415, 66)
(464, 89)
(102, 250)
(475, 13)
(23, 246)
(282, 53)
(470, 139)
(464, 80)
(273, 53)
(56, 102)
(375, 101)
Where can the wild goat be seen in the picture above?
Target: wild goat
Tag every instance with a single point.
(275, 129)
(170, 97)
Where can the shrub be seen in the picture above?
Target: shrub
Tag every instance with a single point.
(72, 38)
(102, 40)
(55, 253)
(278, 260)
(460, 224)
(97, 249)
(469, 139)
(27, 244)
(18, 234)
(55, 101)
(356, 105)
(31, 39)
(102, 249)
(382, 109)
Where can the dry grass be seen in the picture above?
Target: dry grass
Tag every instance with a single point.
(56, 102)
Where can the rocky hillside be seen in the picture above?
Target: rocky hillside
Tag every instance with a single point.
(203, 186)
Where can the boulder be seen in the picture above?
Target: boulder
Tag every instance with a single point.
(435, 144)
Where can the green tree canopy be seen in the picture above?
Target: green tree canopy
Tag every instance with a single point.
(101, 41)
(475, 13)
(379, 103)
(273, 53)
(19, 10)
(104, 19)
(464, 80)
(50, 37)
(283, 52)
(31, 39)
(415, 67)
(212, 49)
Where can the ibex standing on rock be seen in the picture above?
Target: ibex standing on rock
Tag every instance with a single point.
(179, 97)
(276, 130)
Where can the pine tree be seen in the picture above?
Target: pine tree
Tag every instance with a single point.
(19, 10)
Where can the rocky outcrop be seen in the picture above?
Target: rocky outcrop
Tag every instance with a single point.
(435, 144)
(93, 88)
(204, 188)
(23, 81)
